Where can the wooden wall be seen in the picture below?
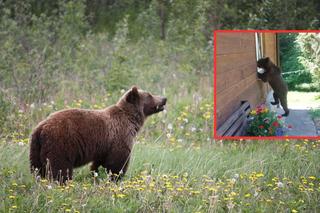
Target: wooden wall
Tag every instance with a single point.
(236, 74)
(269, 41)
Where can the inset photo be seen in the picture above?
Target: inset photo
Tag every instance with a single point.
(266, 84)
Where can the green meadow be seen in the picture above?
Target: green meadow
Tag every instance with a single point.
(85, 54)
(175, 167)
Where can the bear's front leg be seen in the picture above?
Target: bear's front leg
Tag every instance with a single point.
(95, 166)
(118, 165)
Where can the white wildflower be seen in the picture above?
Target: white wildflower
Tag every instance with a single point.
(230, 205)
(280, 184)
(170, 126)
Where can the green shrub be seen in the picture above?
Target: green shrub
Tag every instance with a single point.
(293, 71)
(310, 56)
(296, 81)
(4, 110)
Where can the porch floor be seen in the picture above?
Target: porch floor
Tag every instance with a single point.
(299, 117)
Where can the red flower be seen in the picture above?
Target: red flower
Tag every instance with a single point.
(275, 123)
(290, 126)
(279, 116)
(261, 127)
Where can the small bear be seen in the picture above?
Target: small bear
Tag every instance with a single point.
(269, 72)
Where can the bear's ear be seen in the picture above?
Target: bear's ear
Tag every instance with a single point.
(133, 95)
(267, 59)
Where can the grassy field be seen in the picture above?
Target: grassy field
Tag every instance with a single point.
(175, 167)
(247, 176)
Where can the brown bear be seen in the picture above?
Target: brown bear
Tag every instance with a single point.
(73, 137)
(269, 72)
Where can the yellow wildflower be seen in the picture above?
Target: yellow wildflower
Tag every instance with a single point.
(253, 112)
(120, 195)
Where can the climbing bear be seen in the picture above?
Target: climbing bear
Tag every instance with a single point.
(269, 72)
(73, 137)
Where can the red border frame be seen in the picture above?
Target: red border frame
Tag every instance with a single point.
(215, 136)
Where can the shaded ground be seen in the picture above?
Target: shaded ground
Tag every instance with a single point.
(300, 119)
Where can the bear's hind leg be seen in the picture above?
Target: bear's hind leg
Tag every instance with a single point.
(284, 105)
(61, 170)
(95, 166)
(276, 99)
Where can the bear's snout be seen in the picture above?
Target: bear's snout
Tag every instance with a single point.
(161, 102)
(164, 101)
(261, 70)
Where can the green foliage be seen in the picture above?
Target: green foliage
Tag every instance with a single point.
(53, 55)
(309, 44)
(4, 109)
(290, 14)
(294, 72)
(289, 52)
(33, 56)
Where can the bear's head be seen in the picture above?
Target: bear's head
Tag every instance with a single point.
(263, 65)
(142, 101)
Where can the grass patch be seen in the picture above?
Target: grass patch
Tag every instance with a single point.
(251, 176)
(174, 167)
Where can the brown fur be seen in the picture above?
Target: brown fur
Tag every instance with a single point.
(273, 75)
(74, 137)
